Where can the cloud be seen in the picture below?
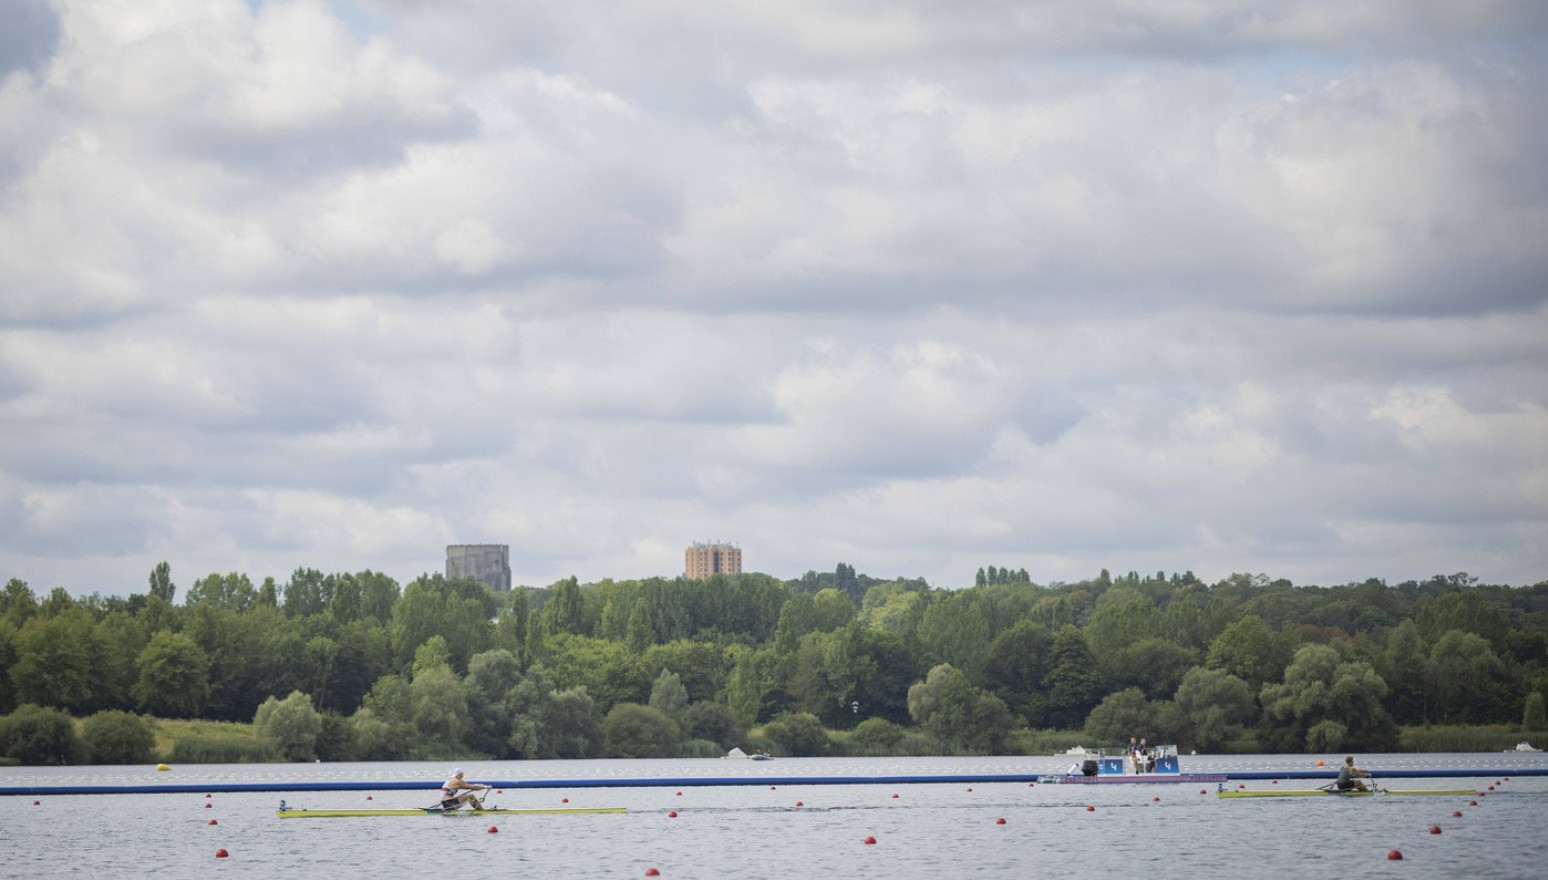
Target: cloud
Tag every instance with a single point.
(1226, 286)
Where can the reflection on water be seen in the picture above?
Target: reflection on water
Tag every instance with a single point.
(757, 830)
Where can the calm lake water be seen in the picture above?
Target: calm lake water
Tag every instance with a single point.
(759, 831)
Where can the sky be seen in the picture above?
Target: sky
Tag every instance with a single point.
(920, 286)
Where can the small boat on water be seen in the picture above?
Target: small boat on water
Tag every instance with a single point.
(1100, 769)
(1522, 746)
(1329, 790)
(756, 756)
(285, 812)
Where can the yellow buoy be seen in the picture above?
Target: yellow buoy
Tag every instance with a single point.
(162, 767)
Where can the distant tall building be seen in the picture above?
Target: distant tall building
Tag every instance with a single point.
(702, 560)
(489, 564)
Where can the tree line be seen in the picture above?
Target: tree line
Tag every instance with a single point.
(354, 666)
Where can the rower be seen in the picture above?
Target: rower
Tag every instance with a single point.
(1348, 776)
(451, 800)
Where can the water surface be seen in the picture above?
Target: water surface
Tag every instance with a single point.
(758, 830)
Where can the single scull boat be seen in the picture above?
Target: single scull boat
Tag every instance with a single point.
(1313, 792)
(436, 811)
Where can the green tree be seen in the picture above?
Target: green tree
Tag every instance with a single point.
(1072, 687)
(570, 728)
(1467, 610)
(161, 585)
(631, 730)
(174, 676)
(17, 602)
(610, 672)
(711, 721)
(1532, 716)
(7, 661)
(1404, 664)
(381, 739)
(113, 736)
(798, 735)
(229, 592)
(668, 696)
(565, 610)
(878, 734)
(752, 690)
(702, 667)
(1154, 665)
(37, 735)
(1119, 715)
(522, 713)
(1469, 680)
(1017, 661)
(457, 610)
(432, 654)
(949, 708)
(1251, 651)
(439, 704)
(291, 726)
(57, 662)
(308, 592)
(1326, 704)
(1213, 707)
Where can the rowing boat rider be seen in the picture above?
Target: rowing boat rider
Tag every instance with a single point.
(1348, 776)
(451, 799)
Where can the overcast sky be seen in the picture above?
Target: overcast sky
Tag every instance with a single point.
(916, 285)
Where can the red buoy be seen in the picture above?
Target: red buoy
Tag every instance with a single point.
(1090, 809)
(220, 854)
(1202, 791)
(672, 815)
(652, 872)
(564, 800)
(1395, 856)
(1472, 803)
(493, 830)
(679, 794)
(800, 803)
(771, 788)
(208, 806)
(206, 797)
(1155, 800)
(1456, 814)
(37, 803)
(870, 840)
(369, 798)
(970, 789)
(1000, 821)
(213, 822)
(894, 794)
(1434, 829)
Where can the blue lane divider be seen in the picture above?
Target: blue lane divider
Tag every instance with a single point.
(686, 781)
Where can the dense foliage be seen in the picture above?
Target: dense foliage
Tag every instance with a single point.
(353, 666)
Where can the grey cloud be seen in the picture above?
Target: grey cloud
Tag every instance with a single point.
(920, 287)
(30, 36)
